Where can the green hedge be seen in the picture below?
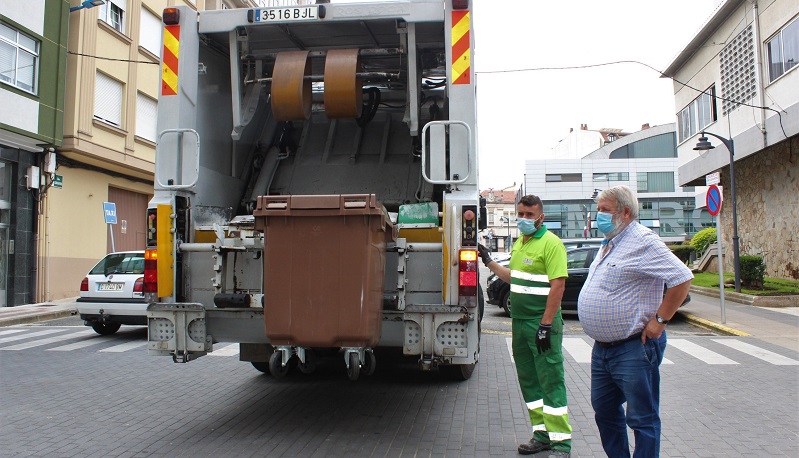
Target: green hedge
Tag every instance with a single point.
(683, 251)
(753, 271)
(704, 238)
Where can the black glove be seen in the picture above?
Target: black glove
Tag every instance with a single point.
(484, 254)
(542, 341)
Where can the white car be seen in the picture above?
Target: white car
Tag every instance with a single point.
(112, 293)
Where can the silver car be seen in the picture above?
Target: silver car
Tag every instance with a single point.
(111, 294)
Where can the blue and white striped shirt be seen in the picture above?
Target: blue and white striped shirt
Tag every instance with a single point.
(624, 288)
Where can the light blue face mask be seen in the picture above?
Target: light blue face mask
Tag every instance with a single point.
(527, 226)
(604, 222)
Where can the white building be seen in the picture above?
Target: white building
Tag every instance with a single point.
(738, 79)
(646, 161)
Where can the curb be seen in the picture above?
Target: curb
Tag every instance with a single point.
(711, 325)
(758, 301)
(45, 316)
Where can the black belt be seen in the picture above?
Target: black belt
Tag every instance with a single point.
(636, 336)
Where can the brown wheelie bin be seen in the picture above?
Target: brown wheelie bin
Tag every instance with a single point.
(324, 258)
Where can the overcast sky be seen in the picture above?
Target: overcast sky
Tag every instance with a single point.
(521, 115)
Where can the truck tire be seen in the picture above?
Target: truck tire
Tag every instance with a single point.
(106, 329)
(261, 366)
(459, 372)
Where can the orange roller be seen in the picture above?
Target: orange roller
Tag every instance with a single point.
(343, 87)
(291, 91)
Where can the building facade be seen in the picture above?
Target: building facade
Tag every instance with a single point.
(33, 37)
(737, 78)
(501, 209)
(646, 161)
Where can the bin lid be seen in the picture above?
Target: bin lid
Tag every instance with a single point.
(423, 214)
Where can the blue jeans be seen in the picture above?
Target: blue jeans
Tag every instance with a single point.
(629, 373)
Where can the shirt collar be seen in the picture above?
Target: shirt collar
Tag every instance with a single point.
(540, 232)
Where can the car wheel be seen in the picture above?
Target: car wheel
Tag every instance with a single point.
(106, 329)
(506, 301)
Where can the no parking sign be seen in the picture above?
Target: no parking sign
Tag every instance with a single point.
(713, 200)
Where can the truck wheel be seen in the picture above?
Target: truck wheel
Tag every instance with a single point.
(276, 367)
(261, 366)
(370, 364)
(506, 301)
(459, 372)
(106, 329)
(354, 369)
(310, 364)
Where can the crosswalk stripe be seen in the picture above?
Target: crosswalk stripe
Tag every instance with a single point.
(49, 340)
(123, 347)
(10, 331)
(578, 349)
(757, 352)
(97, 340)
(28, 336)
(699, 352)
(227, 350)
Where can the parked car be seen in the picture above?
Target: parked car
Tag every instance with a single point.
(578, 260)
(579, 243)
(111, 293)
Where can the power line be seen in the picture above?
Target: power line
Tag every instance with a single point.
(116, 60)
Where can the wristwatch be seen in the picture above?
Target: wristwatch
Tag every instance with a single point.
(661, 320)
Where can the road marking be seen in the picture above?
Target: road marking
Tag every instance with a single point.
(123, 347)
(227, 350)
(49, 340)
(10, 331)
(96, 340)
(700, 353)
(578, 349)
(28, 336)
(757, 352)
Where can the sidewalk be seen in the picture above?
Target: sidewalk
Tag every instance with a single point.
(32, 313)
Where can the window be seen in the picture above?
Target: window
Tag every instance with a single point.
(655, 182)
(19, 59)
(700, 113)
(612, 176)
(564, 177)
(737, 66)
(783, 51)
(151, 32)
(113, 13)
(146, 109)
(108, 100)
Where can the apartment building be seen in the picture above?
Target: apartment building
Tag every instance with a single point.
(737, 79)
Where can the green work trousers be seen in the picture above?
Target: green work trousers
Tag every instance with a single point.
(542, 382)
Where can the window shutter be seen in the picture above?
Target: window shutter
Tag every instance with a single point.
(108, 99)
(151, 34)
(146, 109)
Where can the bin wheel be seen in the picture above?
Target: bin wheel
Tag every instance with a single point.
(370, 364)
(276, 367)
(354, 368)
(309, 366)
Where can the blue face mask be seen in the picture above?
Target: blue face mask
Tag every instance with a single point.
(527, 226)
(604, 222)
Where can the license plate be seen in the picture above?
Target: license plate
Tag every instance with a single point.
(294, 13)
(110, 287)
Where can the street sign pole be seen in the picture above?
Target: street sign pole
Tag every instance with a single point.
(111, 231)
(721, 269)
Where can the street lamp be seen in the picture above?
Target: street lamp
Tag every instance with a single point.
(704, 145)
(506, 219)
(87, 4)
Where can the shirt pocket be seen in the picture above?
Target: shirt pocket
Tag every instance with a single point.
(617, 277)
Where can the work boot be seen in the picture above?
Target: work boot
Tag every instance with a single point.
(532, 447)
(560, 453)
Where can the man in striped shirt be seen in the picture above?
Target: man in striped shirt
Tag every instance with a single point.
(623, 308)
(537, 277)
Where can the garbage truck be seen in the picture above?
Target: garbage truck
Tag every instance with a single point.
(316, 186)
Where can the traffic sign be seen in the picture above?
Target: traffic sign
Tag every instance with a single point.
(712, 178)
(110, 212)
(713, 200)
(58, 181)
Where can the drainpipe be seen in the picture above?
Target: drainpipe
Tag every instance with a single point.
(759, 77)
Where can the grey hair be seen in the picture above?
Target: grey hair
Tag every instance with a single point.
(623, 196)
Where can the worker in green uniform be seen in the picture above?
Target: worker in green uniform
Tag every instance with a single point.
(537, 277)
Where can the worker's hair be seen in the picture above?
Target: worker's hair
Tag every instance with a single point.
(532, 201)
(623, 196)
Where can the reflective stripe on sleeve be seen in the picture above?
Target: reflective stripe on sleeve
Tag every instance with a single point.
(534, 290)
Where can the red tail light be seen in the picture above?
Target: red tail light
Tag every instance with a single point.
(150, 271)
(467, 278)
(84, 285)
(138, 287)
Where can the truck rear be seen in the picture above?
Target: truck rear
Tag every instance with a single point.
(316, 186)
